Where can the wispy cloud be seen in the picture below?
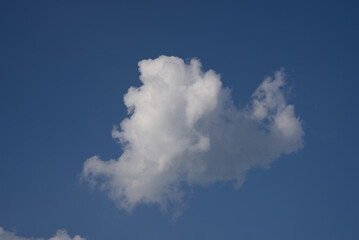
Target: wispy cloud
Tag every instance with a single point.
(184, 129)
(60, 235)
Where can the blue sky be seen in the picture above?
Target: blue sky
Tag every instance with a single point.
(66, 65)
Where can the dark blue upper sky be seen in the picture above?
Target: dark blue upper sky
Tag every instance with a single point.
(65, 66)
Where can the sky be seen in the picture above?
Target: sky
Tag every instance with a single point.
(179, 120)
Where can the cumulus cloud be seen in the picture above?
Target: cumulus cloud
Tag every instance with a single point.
(60, 235)
(184, 130)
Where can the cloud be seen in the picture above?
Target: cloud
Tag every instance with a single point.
(60, 235)
(184, 130)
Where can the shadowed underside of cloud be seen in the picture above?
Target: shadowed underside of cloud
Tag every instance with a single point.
(60, 235)
(183, 129)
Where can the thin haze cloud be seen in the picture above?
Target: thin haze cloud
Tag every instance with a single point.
(60, 235)
(183, 129)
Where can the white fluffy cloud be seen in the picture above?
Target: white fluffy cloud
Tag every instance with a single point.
(60, 235)
(183, 129)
